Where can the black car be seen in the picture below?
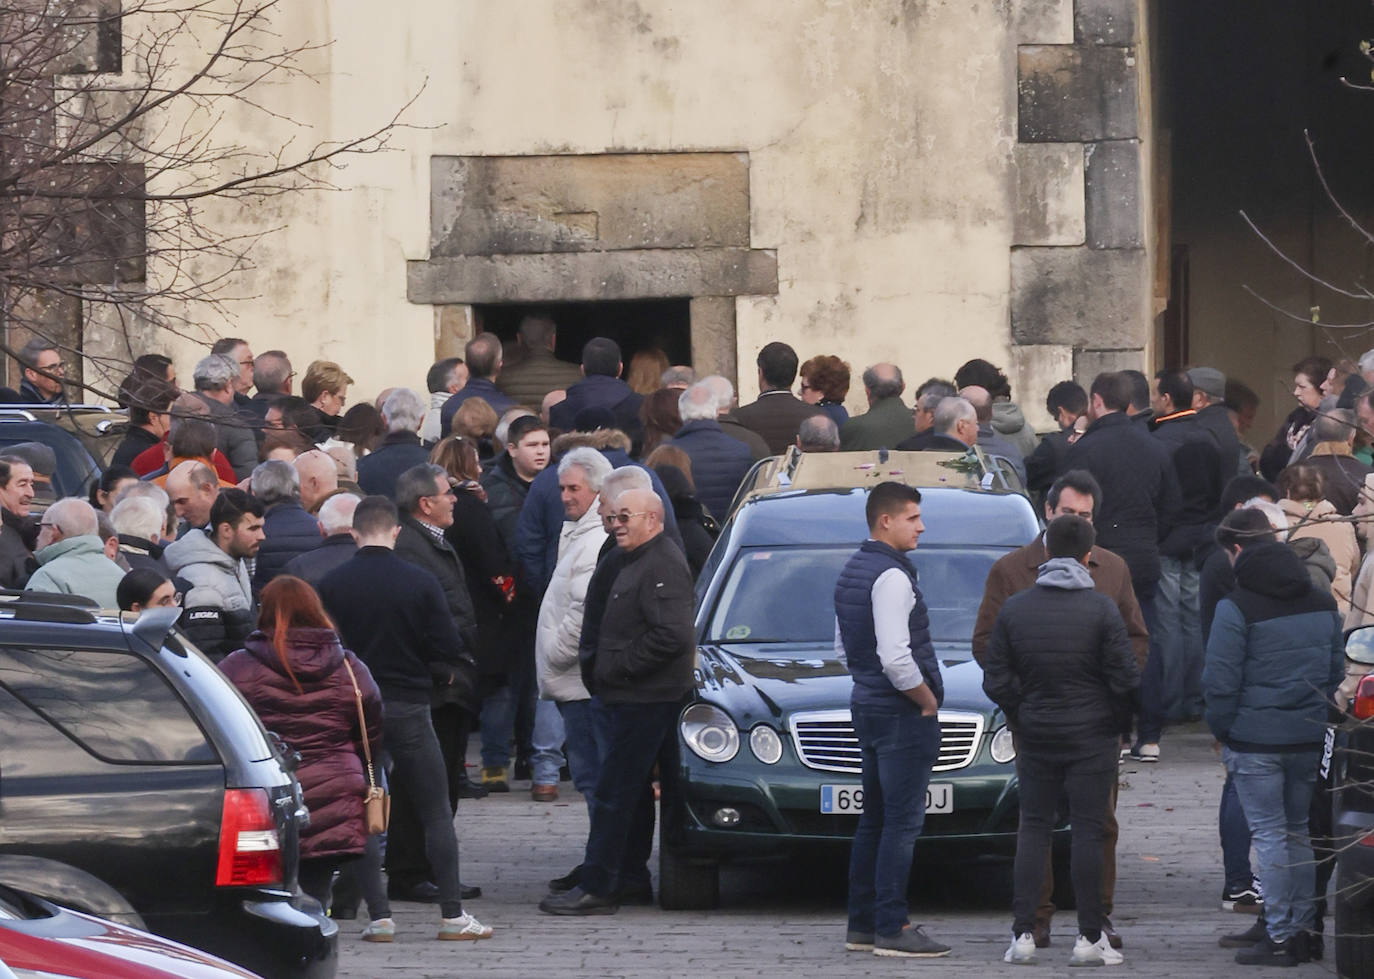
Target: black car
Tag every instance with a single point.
(137, 784)
(76, 469)
(1352, 818)
(770, 761)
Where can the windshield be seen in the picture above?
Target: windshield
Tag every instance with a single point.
(787, 594)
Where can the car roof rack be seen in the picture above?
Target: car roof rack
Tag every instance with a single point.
(795, 470)
(37, 606)
(12, 414)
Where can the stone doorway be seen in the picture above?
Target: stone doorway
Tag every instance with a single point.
(635, 326)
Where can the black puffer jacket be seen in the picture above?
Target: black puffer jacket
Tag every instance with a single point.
(1197, 467)
(646, 647)
(1059, 662)
(1140, 495)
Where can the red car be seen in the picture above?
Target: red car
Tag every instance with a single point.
(41, 938)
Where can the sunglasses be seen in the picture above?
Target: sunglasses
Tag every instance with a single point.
(624, 518)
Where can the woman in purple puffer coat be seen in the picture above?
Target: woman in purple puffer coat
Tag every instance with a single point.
(292, 671)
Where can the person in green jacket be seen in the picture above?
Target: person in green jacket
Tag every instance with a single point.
(71, 556)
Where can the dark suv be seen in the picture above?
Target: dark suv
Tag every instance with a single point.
(1352, 817)
(136, 784)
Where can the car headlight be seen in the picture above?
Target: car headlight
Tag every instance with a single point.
(709, 732)
(765, 744)
(1003, 747)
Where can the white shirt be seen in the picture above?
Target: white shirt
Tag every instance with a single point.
(893, 600)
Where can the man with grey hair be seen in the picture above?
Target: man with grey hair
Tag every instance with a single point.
(989, 439)
(446, 378)
(319, 477)
(400, 450)
(581, 474)
(731, 425)
(679, 377)
(140, 522)
(719, 462)
(42, 374)
(71, 556)
(955, 426)
(536, 371)
(888, 420)
(214, 379)
(1342, 474)
(483, 357)
(272, 375)
(288, 531)
(819, 433)
(336, 523)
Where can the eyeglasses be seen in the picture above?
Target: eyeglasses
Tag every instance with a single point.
(625, 517)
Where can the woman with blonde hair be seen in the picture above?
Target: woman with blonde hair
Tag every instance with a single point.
(325, 387)
(646, 371)
(1311, 516)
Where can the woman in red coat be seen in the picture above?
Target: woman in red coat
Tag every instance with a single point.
(292, 672)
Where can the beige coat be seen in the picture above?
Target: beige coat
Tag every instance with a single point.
(1320, 520)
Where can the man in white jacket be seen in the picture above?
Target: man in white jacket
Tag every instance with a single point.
(580, 474)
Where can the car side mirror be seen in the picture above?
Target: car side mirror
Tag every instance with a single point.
(1359, 645)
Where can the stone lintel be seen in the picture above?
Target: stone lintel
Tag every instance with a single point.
(593, 276)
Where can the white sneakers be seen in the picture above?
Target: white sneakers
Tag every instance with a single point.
(1099, 952)
(1021, 951)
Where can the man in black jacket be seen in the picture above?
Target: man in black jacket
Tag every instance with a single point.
(1060, 666)
(425, 502)
(646, 649)
(338, 545)
(18, 532)
(1140, 500)
(378, 471)
(394, 616)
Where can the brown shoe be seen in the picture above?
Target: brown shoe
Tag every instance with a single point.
(1041, 934)
(1113, 939)
(544, 793)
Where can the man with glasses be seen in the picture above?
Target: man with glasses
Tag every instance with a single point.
(42, 382)
(71, 555)
(1074, 494)
(242, 355)
(646, 648)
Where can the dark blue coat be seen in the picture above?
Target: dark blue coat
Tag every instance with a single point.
(312, 566)
(854, 614)
(476, 387)
(719, 463)
(1274, 656)
(379, 470)
(599, 391)
(288, 532)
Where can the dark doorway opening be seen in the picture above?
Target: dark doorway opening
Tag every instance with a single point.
(664, 324)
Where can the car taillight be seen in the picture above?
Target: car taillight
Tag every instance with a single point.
(249, 850)
(1363, 705)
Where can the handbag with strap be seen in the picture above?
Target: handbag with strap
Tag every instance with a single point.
(376, 800)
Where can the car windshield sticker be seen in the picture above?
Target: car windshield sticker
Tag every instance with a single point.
(738, 632)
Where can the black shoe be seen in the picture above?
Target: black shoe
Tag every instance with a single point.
(564, 774)
(636, 895)
(471, 790)
(522, 770)
(344, 912)
(910, 942)
(1308, 946)
(1269, 952)
(1247, 938)
(578, 902)
(1246, 899)
(469, 893)
(425, 892)
(561, 885)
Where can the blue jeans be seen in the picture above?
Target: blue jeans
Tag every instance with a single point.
(898, 748)
(1179, 630)
(1276, 792)
(636, 737)
(548, 743)
(1235, 838)
(1149, 725)
(582, 745)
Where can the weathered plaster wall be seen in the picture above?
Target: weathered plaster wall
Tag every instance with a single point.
(880, 137)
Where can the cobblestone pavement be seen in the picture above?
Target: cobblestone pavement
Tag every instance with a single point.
(788, 920)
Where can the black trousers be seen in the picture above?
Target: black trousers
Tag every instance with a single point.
(1084, 774)
(406, 863)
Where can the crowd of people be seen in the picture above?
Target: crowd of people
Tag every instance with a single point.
(513, 553)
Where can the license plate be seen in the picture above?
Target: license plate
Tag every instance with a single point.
(849, 799)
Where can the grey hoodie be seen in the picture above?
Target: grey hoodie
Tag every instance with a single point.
(216, 579)
(1009, 422)
(1064, 572)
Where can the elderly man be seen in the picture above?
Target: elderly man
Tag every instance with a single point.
(17, 533)
(140, 522)
(679, 377)
(272, 376)
(336, 523)
(954, 429)
(580, 476)
(729, 424)
(483, 357)
(819, 433)
(378, 471)
(192, 487)
(644, 658)
(549, 402)
(215, 377)
(319, 476)
(1342, 474)
(288, 531)
(888, 420)
(239, 352)
(71, 555)
(1209, 401)
(719, 462)
(217, 611)
(445, 379)
(989, 439)
(43, 373)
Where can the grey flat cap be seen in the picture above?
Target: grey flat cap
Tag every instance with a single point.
(1209, 381)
